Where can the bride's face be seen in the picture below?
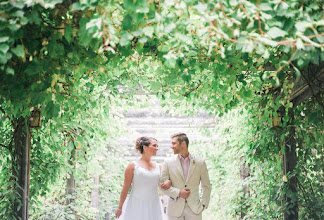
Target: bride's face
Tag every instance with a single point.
(152, 148)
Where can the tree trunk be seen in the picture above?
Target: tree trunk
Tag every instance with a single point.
(244, 173)
(70, 183)
(22, 165)
(95, 193)
(289, 165)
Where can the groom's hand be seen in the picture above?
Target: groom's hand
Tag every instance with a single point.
(184, 193)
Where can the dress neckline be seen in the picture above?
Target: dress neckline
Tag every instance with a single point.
(138, 164)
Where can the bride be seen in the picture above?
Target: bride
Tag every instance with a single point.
(143, 175)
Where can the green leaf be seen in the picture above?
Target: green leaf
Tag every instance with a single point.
(155, 85)
(142, 40)
(85, 37)
(296, 70)
(278, 101)
(17, 4)
(148, 31)
(192, 53)
(169, 27)
(248, 48)
(52, 109)
(143, 10)
(76, 6)
(300, 44)
(4, 39)
(129, 4)
(5, 57)
(18, 13)
(4, 48)
(127, 23)
(267, 41)
(138, 17)
(171, 62)
(126, 39)
(19, 51)
(138, 33)
(186, 77)
(215, 85)
(303, 25)
(135, 5)
(10, 71)
(68, 33)
(51, 3)
(96, 22)
(276, 32)
(265, 7)
(320, 23)
(247, 93)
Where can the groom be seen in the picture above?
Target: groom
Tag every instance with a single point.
(186, 172)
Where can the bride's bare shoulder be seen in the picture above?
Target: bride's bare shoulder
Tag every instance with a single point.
(130, 166)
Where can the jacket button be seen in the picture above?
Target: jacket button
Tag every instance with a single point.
(185, 185)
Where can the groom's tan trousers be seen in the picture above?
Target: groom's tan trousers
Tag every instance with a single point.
(187, 214)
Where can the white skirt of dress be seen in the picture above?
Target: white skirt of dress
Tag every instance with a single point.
(139, 209)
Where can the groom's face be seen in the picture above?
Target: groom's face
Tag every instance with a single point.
(175, 145)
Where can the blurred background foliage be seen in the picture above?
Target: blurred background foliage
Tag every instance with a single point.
(257, 66)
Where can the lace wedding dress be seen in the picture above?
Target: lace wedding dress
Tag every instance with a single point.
(143, 202)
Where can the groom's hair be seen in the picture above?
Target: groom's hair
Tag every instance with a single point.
(181, 137)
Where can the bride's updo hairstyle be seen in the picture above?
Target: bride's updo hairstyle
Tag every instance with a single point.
(141, 142)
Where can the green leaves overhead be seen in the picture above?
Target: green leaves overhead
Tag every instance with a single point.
(19, 51)
(52, 109)
(127, 23)
(276, 32)
(136, 6)
(68, 33)
(4, 48)
(126, 39)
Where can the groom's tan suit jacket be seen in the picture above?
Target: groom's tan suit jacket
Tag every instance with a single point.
(197, 174)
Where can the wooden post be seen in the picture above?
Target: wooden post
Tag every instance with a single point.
(289, 165)
(22, 164)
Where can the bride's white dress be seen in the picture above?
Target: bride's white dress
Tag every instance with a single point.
(143, 202)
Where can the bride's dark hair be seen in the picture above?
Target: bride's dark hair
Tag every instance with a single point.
(141, 142)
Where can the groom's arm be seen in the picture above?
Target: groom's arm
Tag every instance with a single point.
(165, 175)
(205, 185)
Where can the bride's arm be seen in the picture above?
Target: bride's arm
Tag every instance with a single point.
(172, 191)
(129, 172)
(166, 184)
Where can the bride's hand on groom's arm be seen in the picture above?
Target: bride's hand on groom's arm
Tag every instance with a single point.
(166, 184)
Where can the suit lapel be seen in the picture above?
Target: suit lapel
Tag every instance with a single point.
(191, 167)
(179, 167)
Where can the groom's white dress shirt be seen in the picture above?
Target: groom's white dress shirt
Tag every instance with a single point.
(185, 163)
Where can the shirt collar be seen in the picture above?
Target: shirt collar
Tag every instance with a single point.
(181, 158)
